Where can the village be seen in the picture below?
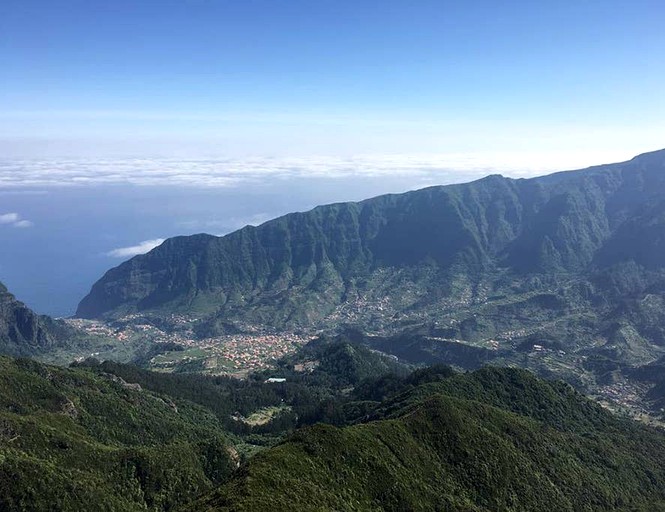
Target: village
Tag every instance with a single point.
(235, 355)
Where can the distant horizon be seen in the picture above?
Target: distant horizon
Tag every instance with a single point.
(62, 230)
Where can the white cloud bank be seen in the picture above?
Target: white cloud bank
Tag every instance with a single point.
(14, 219)
(229, 172)
(134, 250)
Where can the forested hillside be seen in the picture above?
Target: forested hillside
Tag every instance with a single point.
(496, 439)
(70, 440)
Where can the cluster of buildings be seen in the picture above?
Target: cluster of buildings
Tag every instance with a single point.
(623, 394)
(252, 351)
(128, 332)
(361, 307)
(239, 353)
(92, 327)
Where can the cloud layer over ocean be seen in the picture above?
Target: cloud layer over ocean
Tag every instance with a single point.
(443, 168)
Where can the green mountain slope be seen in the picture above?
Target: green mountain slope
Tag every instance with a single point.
(574, 252)
(72, 440)
(111, 436)
(491, 440)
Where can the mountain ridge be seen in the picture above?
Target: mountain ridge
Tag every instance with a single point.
(318, 268)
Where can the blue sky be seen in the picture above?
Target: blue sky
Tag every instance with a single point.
(126, 122)
(229, 77)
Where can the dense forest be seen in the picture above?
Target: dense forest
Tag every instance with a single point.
(495, 439)
(358, 431)
(110, 436)
(72, 440)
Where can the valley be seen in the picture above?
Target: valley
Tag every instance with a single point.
(332, 256)
(238, 355)
(371, 326)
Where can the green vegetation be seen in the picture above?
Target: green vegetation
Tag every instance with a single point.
(362, 433)
(305, 398)
(491, 440)
(72, 440)
(111, 436)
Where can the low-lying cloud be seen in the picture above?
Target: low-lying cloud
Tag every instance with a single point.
(134, 250)
(229, 172)
(14, 219)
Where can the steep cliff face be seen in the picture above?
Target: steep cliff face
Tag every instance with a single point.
(428, 250)
(21, 330)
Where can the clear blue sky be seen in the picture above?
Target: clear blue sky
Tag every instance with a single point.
(258, 76)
